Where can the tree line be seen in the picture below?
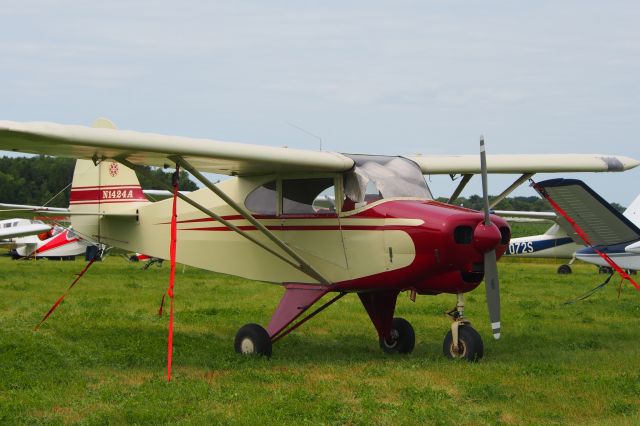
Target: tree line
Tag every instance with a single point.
(36, 180)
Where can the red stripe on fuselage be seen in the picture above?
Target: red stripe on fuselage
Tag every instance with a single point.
(309, 228)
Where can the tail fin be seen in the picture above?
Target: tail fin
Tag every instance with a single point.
(633, 212)
(108, 187)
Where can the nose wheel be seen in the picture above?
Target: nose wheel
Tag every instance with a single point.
(469, 347)
(462, 341)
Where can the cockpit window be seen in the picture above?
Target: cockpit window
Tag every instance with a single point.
(314, 196)
(308, 196)
(377, 176)
(263, 199)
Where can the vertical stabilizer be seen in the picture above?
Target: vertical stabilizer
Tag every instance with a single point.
(108, 187)
(633, 212)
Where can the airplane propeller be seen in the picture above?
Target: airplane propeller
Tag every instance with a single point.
(490, 263)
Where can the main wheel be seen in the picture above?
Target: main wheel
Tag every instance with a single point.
(253, 339)
(470, 346)
(605, 270)
(564, 269)
(402, 340)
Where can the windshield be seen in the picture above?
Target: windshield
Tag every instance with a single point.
(378, 176)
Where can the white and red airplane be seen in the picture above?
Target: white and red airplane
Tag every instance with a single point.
(36, 239)
(383, 234)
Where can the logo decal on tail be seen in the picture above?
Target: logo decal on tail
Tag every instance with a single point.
(113, 169)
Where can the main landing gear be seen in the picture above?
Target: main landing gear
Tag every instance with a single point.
(402, 338)
(395, 335)
(566, 268)
(252, 339)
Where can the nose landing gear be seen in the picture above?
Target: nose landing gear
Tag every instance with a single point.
(462, 341)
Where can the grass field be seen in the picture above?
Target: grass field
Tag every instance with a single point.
(101, 357)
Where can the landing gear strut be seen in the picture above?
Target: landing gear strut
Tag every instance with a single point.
(462, 341)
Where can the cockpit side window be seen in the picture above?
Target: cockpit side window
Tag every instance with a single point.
(263, 199)
(314, 196)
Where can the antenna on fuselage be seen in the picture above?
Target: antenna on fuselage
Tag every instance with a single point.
(308, 133)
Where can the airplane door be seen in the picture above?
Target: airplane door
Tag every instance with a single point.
(310, 224)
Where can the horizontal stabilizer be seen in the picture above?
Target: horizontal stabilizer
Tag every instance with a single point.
(25, 211)
(11, 211)
(603, 224)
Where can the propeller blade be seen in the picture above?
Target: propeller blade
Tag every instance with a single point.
(492, 287)
(491, 282)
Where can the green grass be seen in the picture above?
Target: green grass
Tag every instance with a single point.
(101, 357)
(525, 229)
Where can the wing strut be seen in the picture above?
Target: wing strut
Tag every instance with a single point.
(303, 265)
(465, 180)
(510, 189)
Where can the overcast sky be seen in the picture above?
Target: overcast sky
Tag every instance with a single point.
(386, 77)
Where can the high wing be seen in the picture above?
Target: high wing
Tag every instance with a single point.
(600, 221)
(207, 155)
(152, 149)
(23, 230)
(524, 163)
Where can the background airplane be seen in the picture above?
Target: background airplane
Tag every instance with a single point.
(385, 234)
(611, 232)
(555, 243)
(36, 239)
(18, 227)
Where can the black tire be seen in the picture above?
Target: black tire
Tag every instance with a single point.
(470, 346)
(605, 270)
(564, 269)
(252, 339)
(403, 338)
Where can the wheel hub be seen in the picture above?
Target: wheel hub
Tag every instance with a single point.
(460, 351)
(392, 342)
(247, 346)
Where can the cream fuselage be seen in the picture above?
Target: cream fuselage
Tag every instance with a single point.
(398, 242)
